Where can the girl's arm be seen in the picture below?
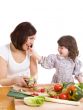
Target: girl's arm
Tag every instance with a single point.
(80, 78)
(77, 71)
(46, 62)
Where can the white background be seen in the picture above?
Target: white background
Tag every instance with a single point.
(52, 19)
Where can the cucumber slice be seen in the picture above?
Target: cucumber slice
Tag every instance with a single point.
(17, 95)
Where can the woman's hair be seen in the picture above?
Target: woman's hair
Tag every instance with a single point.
(70, 43)
(21, 34)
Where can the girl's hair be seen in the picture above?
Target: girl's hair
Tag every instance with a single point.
(21, 34)
(70, 43)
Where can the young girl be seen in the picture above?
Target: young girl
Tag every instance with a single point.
(66, 62)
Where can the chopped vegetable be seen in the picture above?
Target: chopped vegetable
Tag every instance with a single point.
(34, 101)
(17, 95)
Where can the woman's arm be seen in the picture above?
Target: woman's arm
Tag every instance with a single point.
(33, 67)
(3, 73)
(7, 81)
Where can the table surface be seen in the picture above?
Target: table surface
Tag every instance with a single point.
(19, 105)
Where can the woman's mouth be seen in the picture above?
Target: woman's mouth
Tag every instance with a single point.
(30, 46)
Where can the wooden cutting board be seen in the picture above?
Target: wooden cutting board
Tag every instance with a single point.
(6, 103)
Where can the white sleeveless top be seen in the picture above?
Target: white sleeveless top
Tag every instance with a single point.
(14, 68)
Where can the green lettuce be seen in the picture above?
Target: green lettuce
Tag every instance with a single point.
(34, 101)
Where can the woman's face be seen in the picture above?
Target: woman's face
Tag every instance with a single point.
(29, 42)
(63, 51)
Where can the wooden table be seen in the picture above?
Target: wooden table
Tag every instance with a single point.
(19, 105)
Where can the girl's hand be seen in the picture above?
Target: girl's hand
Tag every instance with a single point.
(31, 51)
(20, 81)
(34, 54)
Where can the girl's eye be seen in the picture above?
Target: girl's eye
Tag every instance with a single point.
(61, 47)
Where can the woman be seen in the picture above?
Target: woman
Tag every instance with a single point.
(15, 61)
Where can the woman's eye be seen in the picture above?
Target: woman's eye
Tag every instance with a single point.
(31, 38)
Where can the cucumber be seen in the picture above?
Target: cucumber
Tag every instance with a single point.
(17, 95)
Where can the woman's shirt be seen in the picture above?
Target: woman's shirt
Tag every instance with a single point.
(65, 67)
(14, 68)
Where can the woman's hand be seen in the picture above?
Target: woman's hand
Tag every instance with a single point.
(20, 81)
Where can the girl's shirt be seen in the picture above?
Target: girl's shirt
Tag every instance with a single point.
(14, 68)
(65, 68)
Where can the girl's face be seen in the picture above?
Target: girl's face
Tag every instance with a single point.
(63, 51)
(29, 43)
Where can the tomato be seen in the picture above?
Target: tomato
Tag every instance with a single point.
(54, 97)
(34, 94)
(41, 90)
(58, 87)
(63, 96)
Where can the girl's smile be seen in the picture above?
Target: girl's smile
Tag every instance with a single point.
(63, 51)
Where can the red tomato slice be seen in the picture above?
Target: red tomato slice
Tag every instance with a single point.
(63, 96)
(34, 94)
(54, 97)
(58, 87)
(41, 90)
